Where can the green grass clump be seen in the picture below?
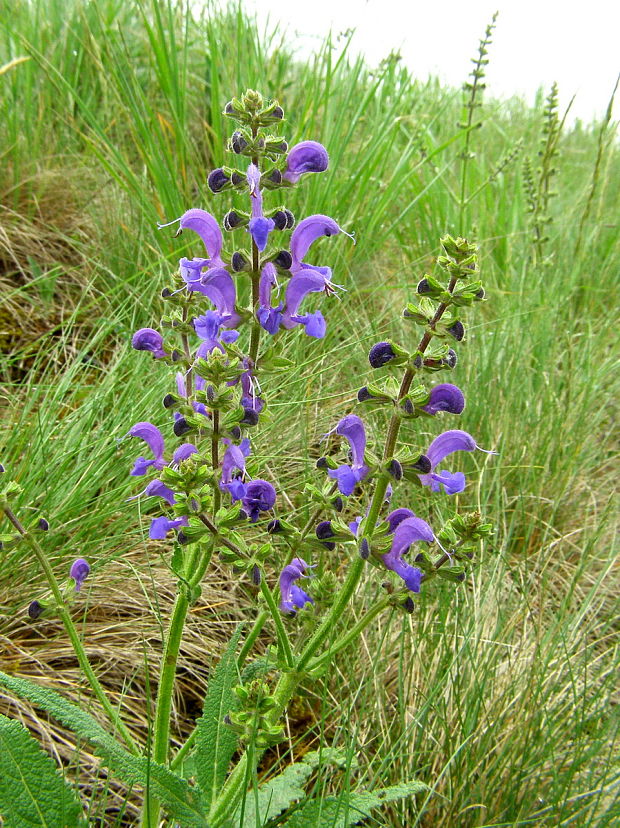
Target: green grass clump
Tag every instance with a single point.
(500, 695)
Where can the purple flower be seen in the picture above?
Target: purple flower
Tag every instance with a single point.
(234, 458)
(408, 531)
(352, 429)
(147, 339)
(303, 283)
(269, 317)
(154, 439)
(260, 496)
(208, 328)
(162, 525)
(306, 157)
(199, 383)
(249, 399)
(380, 354)
(292, 596)
(445, 397)
(447, 443)
(79, 572)
(158, 489)
(259, 226)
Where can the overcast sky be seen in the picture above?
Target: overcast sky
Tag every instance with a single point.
(535, 43)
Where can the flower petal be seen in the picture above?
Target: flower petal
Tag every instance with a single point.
(307, 232)
(305, 157)
(397, 516)
(445, 397)
(153, 437)
(447, 443)
(302, 283)
(79, 571)
(148, 339)
(162, 525)
(207, 228)
(352, 429)
(183, 452)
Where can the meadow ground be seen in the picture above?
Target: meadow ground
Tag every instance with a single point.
(501, 694)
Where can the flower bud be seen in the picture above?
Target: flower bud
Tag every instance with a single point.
(274, 526)
(255, 575)
(2, 469)
(418, 362)
(457, 331)
(80, 569)
(408, 407)
(451, 358)
(238, 262)
(364, 549)
(480, 295)
(237, 142)
(274, 177)
(422, 464)
(217, 180)
(232, 220)
(324, 530)
(182, 538)
(169, 401)
(283, 260)
(36, 610)
(380, 354)
(229, 109)
(283, 219)
(43, 524)
(322, 463)
(408, 605)
(250, 417)
(235, 433)
(211, 393)
(176, 355)
(237, 179)
(395, 469)
(423, 286)
(364, 394)
(278, 113)
(181, 427)
(166, 293)
(338, 503)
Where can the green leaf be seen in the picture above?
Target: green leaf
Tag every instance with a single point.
(340, 812)
(180, 800)
(32, 792)
(215, 742)
(280, 792)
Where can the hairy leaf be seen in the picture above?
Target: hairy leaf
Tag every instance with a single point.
(178, 798)
(215, 742)
(276, 795)
(340, 812)
(32, 792)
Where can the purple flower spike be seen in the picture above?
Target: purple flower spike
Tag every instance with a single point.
(445, 397)
(161, 526)
(306, 157)
(154, 439)
(447, 443)
(352, 429)
(260, 496)
(79, 571)
(411, 530)
(293, 597)
(259, 226)
(147, 339)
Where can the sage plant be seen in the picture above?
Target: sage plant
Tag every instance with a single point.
(196, 464)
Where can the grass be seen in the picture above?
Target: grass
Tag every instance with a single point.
(500, 694)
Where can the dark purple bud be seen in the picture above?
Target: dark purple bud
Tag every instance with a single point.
(181, 427)
(194, 505)
(2, 469)
(481, 294)
(408, 605)
(322, 463)
(166, 293)
(235, 433)
(227, 720)
(35, 610)
(284, 260)
(457, 330)
(176, 355)
(231, 220)
(275, 177)
(364, 549)
(418, 558)
(396, 470)
(323, 531)
(182, 538)
(451, 359)
(408, 407)
(278, 112)
(380, 354)
(250, 418)
(284, 219)
(364, 394)
(237, 179)
(417, 362)
(238, 142)
(211, 394)
(255, 575)
(43, 524)
(423, 464)
(217, 180)
(169, 401)
(423, 286)
(238, 262)
(338, 503)
(460, 577)
(281, 147)
(229, 109)
(274, 526)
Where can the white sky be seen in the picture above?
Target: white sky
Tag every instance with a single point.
(535, 43)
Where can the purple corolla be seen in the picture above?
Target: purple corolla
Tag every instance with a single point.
(408, 530)
(292, 596)
(260, 496)
(445, 397)
(79, 571)
(148, 339)
(305, 157)
(234, 459)
(259, 226)
(208, 328)
(154, 439)
(447, 443)
(269, 317)
(161, 526)
(352, 429)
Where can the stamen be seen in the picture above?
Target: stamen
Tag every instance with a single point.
(168, 223)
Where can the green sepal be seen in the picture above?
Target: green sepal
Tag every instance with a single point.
(233, 417)
(456, 574)
(270, 361)
(227, 516)
(9, 491)
(420, 312)
(466, 294)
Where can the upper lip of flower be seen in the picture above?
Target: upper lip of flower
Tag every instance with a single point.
(447, 443)
(408, 531)
(352, 429)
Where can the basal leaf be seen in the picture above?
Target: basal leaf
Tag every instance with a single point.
(180, 800)
(32, 791)
(215, 742)
(349, 809)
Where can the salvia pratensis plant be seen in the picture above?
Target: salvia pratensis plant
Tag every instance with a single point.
(197, 465)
